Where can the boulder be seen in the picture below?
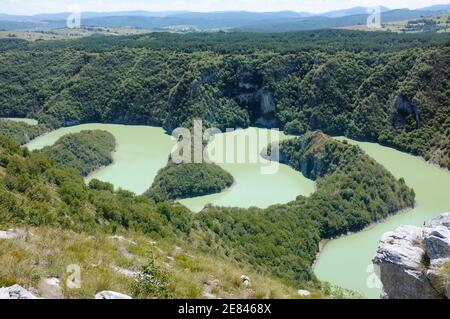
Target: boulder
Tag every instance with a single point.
(126, 272)
(437, 243)
(49, 288)
(8, 235)
(111, 295)
(16, 292)
(122, 239)
(303, 293)
(410, 260)
(245, 280)
(441, 220)
(13, 234)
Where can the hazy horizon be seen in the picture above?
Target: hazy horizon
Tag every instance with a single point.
(32, 7)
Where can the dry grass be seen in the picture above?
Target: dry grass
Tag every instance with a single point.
(46, 252)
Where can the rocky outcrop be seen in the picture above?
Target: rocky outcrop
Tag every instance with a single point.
(16, 292)
(410, 261)
(402, 108)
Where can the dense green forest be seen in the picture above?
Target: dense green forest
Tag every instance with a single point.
(177, 181)
(282, 240)
(380, 86)
(85, 151)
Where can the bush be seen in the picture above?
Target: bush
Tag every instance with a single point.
(152, 283)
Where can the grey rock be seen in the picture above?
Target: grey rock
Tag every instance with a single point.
(410, 260)
(402, 106)
(303, 293)
(13, 234)
(437, 243)
(123, 239)
(126, 272)
(49, 288)
(8, 235)
(16, 292)
(111, 295)
(245, 280)
(441, 220)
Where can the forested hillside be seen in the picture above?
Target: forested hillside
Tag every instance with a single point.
(352, 191)
(389, 88)
(85, 151)
(62, 221)
(280, 241)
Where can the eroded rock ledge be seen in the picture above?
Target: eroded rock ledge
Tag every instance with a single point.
(413, 262)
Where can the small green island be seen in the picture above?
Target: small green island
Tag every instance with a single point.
(178, 181)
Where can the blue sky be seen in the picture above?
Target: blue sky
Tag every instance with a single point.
(50, 6)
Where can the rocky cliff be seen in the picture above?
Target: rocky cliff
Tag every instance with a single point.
(414, 262)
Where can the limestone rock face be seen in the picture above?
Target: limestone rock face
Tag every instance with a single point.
(16, 292)
(111, 295)
(409, 260)
(401, 109)
(437, 243)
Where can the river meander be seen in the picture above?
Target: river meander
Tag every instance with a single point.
(346, 262)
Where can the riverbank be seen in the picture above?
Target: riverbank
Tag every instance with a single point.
(323, 243)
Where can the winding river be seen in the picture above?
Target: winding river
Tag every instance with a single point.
(251, 187)
(143, 150)
(140, 152)
(346, 262)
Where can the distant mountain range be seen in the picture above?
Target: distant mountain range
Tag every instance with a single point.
(226, 20)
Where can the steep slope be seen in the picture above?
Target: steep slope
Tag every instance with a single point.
(352, 191)
(279, 242)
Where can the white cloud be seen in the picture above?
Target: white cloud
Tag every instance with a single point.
(47, 6)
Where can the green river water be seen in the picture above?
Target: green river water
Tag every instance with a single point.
(142, 151)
